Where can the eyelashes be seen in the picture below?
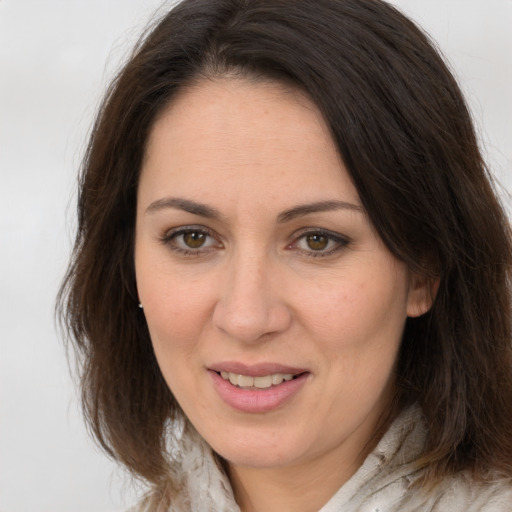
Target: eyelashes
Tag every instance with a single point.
(318, 243)
(201, 241)
(191, 241)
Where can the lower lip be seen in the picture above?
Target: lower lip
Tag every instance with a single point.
(257, 400)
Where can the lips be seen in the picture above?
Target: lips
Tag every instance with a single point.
(255, 370)
(256, 388)
(263, 382)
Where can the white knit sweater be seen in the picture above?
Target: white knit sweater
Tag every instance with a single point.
(381, 484)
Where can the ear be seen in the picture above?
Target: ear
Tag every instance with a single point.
(422, 293)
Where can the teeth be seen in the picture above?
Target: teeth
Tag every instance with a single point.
(264, 382)
(244, 381)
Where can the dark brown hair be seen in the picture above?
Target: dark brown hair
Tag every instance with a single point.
(406, 137)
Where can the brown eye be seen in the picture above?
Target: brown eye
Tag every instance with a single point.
(191, 241)
(317, 241)
(194, 239)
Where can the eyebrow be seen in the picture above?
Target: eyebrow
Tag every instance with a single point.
(209, 212)
(320, 206)
(187, 205)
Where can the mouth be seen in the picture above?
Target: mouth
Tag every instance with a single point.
(259, 388)
(261, 382)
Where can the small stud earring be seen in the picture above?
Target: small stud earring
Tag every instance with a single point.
(140, 305)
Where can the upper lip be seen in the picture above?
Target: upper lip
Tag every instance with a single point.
(254, 370)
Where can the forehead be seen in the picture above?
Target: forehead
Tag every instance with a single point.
(234, 136)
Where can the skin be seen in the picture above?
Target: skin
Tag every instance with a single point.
(259, 290)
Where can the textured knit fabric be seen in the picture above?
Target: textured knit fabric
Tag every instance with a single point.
(382, 483)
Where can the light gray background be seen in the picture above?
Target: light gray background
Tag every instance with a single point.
(55, 58)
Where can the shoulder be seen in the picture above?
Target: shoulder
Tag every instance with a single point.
(463, 493)
(457, 493)
(387, 480)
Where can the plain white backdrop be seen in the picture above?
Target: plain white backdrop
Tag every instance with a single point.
(56, 57)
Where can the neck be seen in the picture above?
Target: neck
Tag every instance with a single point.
(303, 487)
(309, 482)
(306, 486)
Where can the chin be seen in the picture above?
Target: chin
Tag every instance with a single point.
(250, 448)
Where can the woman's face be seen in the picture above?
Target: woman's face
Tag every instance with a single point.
(275, 311)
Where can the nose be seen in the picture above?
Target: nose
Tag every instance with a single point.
(251, 305)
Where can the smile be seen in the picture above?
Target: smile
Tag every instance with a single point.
(266, 391)
(263, 382)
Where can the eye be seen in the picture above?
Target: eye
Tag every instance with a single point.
(190, 240)
(194, 239)
(319, 243)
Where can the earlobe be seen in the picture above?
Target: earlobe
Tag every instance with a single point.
(422, 293)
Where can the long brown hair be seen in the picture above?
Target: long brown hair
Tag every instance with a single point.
(405, 135)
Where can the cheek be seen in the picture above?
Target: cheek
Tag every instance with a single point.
(369, 309)
(176, 305)
(353, 301)
(176, 315)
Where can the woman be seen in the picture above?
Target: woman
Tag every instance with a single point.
(291, 282)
